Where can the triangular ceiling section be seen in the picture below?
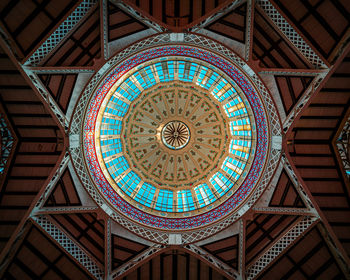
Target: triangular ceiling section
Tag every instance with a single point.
(225, 250)
(285, 194)
(38, 257)
(60, 86)
(263, 230)
(291, 88)
(121, 24)
(64, 193)
(309, 258)
(174, 264)
(177, 14)
(82, 46)
(271, 48)
(232, 25)
(37, 19)
(86, 229)
(123, 250)
(315, 20)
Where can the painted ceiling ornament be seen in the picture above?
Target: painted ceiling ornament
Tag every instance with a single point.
(177, 137)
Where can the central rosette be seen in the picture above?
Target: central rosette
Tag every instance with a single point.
(175, 135)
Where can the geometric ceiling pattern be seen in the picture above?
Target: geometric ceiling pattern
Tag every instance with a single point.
(51, 228)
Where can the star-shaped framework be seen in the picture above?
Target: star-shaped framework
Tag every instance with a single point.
(292, 213)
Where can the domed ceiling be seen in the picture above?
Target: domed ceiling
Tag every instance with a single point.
(174, 139)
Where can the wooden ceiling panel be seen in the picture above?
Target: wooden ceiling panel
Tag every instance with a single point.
(86, 230)
(121, 24)
(39, 258)
(232, 25)
(291, 89)
(285, 194)
(37, 151)
(308, 258)
(60, 86)
(323, 23)
(262, 231)
(64, 193)
(124, 249)
(38, 20)
(225, 250)
(271, 48)
(82, 47)
(321, 169)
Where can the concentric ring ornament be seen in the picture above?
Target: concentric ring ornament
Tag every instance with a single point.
(175, 135)
(236, 198)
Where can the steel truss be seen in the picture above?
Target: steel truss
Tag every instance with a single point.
(289, 32)
(61, 32)
(69, 245)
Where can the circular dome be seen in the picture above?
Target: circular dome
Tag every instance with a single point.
(175, 137)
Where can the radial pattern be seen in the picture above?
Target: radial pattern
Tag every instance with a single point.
(176, 136)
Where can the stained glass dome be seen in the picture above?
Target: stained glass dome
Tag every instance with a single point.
(175, 136)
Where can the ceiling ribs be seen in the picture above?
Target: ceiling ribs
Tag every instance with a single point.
(249, 25)
(232, 25)
(288, 31)
(214, 15)
(332, 36)
(255, 268)
(60, 33)
(38, 257)
(140, 15)
(69, 245)
(33, 11)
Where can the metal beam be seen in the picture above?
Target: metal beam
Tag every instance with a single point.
(61, 32)
(291, 72)
(137, 261)
(108, 249)
(283, 211)
(278, 247)
(290, 34)
(61, 70)
(309, 200)
(249, 30)
(65, 210)
(213, 261)
(104, 28)
(217, 13)
(140, 16)
(69, 245)
(242, 249)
